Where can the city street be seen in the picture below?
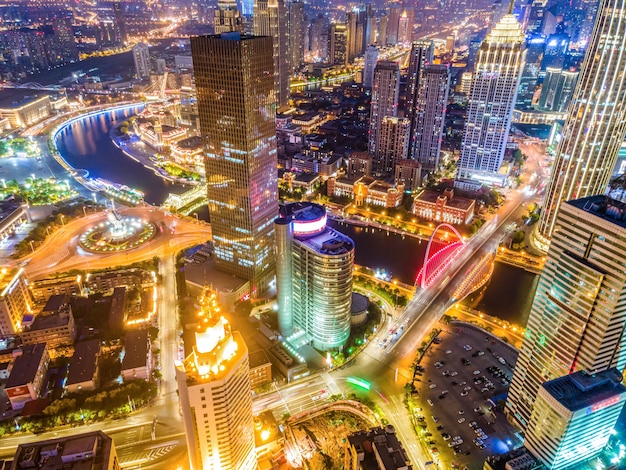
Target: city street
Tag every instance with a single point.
(60, 251)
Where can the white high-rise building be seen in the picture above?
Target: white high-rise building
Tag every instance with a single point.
(385, 93)
(371, 57)
(215, 395)
(574, 417)
(141, 57)
(429, 116)
(578, 317)
(493, 91)
(596, 118)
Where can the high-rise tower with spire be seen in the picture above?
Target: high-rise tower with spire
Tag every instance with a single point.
(493, 90)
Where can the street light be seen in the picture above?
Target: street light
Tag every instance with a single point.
(62, 219)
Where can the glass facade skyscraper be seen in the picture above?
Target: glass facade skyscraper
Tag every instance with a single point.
(578, 317)
(596, 120)
(313, 276)
(237, 108)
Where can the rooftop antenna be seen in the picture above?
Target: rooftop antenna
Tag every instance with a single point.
(511, 7)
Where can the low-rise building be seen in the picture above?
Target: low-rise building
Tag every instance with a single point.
(43, 289)
(15, 300)
(188, 151)
(83, 371)
(54, 325)
(443, 207)
(378, 448)
(93, 450)
(137, 362)
(28, 374)
(13, 214)
(309, 121)
(260, 369)
(367, 190)
(408, 172)
(107, 281)
(117, 310)
(360, 164)
(23, 108)
(518, 459)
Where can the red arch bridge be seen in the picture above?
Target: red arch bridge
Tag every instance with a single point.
(444, 245)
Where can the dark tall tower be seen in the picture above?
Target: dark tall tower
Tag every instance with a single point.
(237, 108)
(118, 12)
(270, 19)
(421, 55)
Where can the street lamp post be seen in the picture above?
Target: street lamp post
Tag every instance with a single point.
(62, 220)
(31, 246)
(84, 211)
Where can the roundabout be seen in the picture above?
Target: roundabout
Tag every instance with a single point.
(117, 233)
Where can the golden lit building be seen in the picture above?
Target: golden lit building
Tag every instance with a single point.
(215, 395)
(237, 121)
(15, 300)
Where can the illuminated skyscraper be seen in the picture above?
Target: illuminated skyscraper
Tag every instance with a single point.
(578, 317)
(574, 417)
(215, 395)
(270, 19)
(596, 119)
(557, 90)
(385, 92)
(429, 116)
(492, 98)
(237, 120)
(227, 17)
(338, 44)
(314, 266)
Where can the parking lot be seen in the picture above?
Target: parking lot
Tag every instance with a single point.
(465, 374)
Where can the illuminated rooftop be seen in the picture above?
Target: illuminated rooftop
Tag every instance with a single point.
(508, 29)
(581, 390)
(217, 348)
(7, 276)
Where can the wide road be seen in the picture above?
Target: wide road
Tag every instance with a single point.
(377, 365)
(60, 252)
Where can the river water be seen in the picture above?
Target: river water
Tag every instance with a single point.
(86, 145)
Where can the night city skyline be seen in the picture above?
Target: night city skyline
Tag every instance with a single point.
(289, 234)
